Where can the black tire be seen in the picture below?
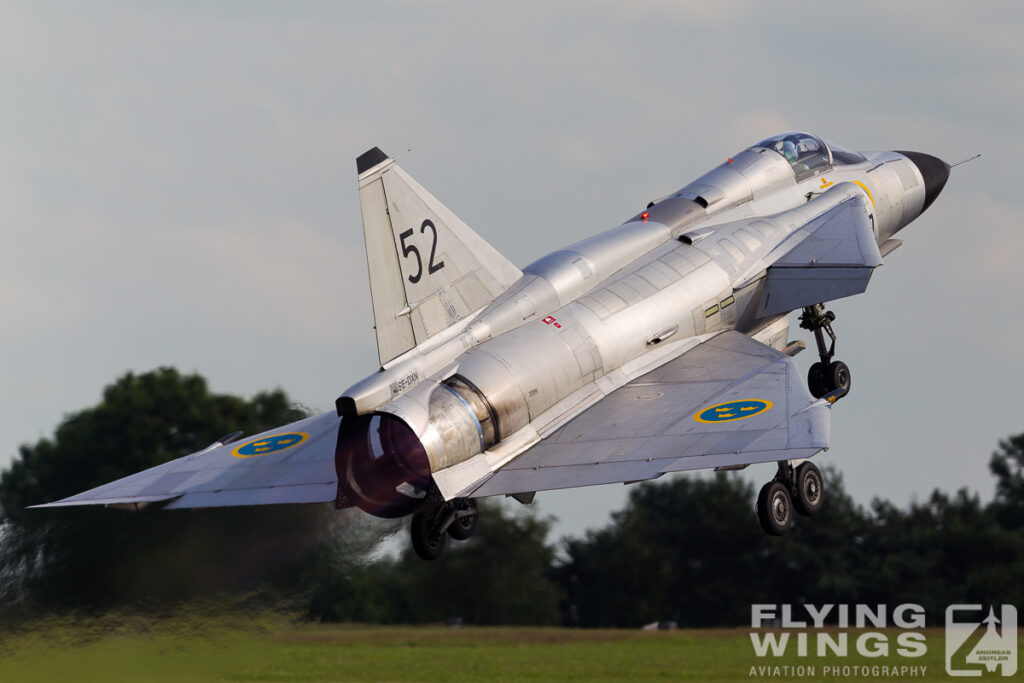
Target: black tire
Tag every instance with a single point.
(427, 543)
(810, 490)
(774, 509)
(838, 376)
(463, 528)
(817, 381)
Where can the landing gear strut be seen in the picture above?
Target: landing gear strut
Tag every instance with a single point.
(433, 524)
(826, 376)
(801, 489)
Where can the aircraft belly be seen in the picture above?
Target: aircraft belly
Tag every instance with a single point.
(553, 357)
(685, 414)
(544, 373)
(744, 275)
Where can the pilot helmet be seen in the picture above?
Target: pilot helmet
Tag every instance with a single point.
(789, 150)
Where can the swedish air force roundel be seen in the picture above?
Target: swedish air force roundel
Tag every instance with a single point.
(269, 444)
(733, 410)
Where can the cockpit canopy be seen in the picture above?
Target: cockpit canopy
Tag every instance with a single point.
(841, 155)
(808, 154)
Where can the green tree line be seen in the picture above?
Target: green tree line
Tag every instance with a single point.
(687, 549)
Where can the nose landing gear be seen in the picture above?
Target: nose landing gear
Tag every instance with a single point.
(432, 526)
(801, 489)
(825, 376)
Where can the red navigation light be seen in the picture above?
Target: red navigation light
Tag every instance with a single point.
(644, 215)
(730, 160)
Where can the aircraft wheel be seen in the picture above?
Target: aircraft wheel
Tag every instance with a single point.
(464, 527)
(816, 380)
(774, 508)
(426, 540)
(810, 490)
(838, 376)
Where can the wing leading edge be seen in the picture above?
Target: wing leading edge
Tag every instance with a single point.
(728, 401)
(290, 464)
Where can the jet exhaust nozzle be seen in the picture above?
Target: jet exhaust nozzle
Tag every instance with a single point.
(382, 466)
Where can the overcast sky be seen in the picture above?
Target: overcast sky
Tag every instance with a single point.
(177, 187)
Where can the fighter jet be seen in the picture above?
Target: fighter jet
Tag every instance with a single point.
(658, 346)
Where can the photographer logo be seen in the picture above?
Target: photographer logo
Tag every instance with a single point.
(977, 644)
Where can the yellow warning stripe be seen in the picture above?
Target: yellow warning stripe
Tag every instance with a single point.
(865, 188)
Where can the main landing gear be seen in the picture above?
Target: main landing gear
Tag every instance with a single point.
(801, 488)
(433, 524)
(827, 376)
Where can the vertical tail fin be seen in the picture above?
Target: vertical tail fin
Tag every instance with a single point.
(428, 269)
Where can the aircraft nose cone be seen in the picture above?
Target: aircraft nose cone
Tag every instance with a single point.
(935, 172)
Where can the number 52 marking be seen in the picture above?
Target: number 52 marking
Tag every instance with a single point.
(411, 249)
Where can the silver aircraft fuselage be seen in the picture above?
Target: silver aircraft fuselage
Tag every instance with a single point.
(658, 346)
(586, 319)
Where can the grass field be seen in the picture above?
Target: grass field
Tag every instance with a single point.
(268, 649)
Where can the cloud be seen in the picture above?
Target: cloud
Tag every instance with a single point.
(995, 258)
(288, 281)
(576, 153)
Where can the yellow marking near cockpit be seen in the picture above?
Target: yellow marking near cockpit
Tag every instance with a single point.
(825, 184)
(865, 188)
